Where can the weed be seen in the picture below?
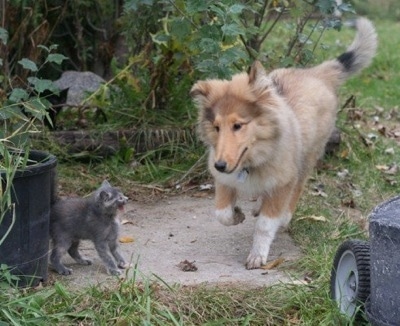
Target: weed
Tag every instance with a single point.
(344, 199)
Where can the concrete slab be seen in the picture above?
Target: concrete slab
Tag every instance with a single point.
(176, 229)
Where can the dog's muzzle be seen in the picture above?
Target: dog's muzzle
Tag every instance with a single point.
(220, 166)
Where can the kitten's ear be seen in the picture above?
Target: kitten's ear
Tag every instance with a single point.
(105, 184)
(104, 195)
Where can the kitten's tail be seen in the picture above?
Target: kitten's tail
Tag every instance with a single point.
(53, 190)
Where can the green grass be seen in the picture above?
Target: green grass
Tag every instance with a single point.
(129, 303)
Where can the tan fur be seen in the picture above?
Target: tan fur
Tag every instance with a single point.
(265, 133)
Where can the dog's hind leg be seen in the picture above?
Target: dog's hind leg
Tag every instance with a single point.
(296, 193)
(225, 210)
(274, 214)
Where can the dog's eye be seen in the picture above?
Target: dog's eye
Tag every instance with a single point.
(237, 126)
(216, 128)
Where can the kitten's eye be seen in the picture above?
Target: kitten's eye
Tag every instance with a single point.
(237, 126)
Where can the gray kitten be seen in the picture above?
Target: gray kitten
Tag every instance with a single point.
(91, 218)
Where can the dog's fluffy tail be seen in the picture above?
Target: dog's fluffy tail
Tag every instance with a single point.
(360, 53)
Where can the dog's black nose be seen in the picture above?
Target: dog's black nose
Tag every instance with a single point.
(220, 166)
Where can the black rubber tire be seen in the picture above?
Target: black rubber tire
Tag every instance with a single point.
(350, 276)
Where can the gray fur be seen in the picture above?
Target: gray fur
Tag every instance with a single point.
(91, 218)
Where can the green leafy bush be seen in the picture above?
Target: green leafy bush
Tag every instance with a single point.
(173, 43)
(22, 107)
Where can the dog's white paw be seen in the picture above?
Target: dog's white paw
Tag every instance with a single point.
(256, 260)
(264, 234)
(229, 216)
(259, 252)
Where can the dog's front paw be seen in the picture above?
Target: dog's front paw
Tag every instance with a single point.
(256, 260)
(229, 216)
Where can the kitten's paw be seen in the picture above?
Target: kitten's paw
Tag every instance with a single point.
(124, 265)
(84, 261)
(115, 272)
(64, 271)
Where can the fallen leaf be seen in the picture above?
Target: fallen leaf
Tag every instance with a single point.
(344, 153)
(343, 174)
(349, 203)
(298, 282)
(126, 239)
(392, 169)
(308, 279)
(274, 263)
(356, 192)
(319, 191)
(187, 266)
(207, 186)
(389, 151)
(382, 130)
(355, 115)
(382, 167)
(313, 217)
(125, 221)
(390, 181)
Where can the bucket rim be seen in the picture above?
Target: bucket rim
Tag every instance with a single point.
(42, 161)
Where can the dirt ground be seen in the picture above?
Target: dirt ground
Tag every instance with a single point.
(172, 230)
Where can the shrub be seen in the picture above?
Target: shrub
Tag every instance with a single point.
(176, 42)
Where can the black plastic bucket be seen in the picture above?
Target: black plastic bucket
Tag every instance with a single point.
(383, 306)
(25, 249)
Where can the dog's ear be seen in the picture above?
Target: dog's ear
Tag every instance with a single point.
(200, 92)
(259, 79)
(199, 89)
(256, 72)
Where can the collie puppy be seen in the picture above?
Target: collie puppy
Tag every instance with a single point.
(266, 131)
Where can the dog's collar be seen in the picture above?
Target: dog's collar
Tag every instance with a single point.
(242, 176)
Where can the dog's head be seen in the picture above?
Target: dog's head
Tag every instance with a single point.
(237, 118)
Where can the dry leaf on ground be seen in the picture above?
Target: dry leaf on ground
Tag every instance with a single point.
(274, 263)
(187, 266)
(126, 239)
(313, 218)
